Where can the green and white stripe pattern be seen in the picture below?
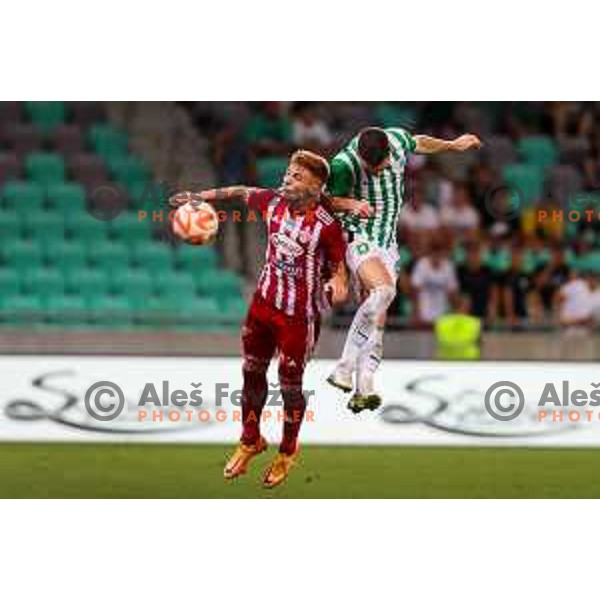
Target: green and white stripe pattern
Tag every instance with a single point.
(384, 192)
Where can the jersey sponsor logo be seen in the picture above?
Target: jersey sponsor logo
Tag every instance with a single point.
(289, 268)
(284, 245)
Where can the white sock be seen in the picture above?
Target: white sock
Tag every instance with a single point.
(363, 325)
(369, 361)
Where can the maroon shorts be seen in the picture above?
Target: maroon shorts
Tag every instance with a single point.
(268, 330)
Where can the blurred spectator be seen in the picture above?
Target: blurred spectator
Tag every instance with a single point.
(550, 278)
(475, 281)
(574, 302)
(418, 219)
(269, 132)
(594, 283)
(231, 156)
(434, 286)
(520, 258)
(517, 289)
(498, 259)
(459, 217)
(481, 182)
(309, 130)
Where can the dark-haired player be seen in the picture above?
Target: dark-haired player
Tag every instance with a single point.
(305, 254)
(371, 169)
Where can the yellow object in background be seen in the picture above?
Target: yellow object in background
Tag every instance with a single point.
(458, 337)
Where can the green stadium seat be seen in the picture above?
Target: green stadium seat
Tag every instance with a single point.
(128, 170)
(89, 283)
(10, 225)
(66, 310)
(66, 256)
(195, 258)
(540, 151)
(22, 195)
(22, 256)
(108, 141)
(46, 114)
(152, 256)
(135, 284)
(82, 226)
(64, 197)
(590, 262)
(9, 282)
(130, 229)
(204, 314)
(156, 305)
(573, 227)
(110, 311)
(147, 195)
(43, 282)
(270, 171)
(529, 179)
(174, 285)
(393, 114)
(235, 309)
(45, 168)
(21, 310)
(43, 227)
(220, 285)
(108, 255)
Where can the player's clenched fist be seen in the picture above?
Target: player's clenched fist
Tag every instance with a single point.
(468, 141)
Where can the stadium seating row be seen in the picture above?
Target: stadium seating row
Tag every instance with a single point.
(123, 311)
(59, 265)
(51, 167)
(137, 283)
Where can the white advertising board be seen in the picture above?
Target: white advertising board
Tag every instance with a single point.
(425, 403)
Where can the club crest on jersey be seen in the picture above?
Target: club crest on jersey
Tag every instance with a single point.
(304, 236)
(287, 246)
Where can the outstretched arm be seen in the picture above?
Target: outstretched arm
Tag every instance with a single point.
(432, 145)
(237, 192)
(350, 205)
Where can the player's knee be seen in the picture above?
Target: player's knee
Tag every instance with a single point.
(383, 296)
(291, 372)
(255, 365)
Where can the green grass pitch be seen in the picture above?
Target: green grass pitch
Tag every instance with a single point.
(174, 471)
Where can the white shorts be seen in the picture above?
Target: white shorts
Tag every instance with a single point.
(360, 250)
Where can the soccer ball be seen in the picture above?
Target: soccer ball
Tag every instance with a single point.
(196, 223)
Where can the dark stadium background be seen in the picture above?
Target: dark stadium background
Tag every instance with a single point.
(76, 282)
(72, 283)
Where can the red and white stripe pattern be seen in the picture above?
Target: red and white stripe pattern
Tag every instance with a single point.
(292, 277)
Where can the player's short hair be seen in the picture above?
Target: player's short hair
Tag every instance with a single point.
(373, 146)
(312, 162)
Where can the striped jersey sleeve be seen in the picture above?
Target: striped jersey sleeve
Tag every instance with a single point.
(406, 140)
(341, 178)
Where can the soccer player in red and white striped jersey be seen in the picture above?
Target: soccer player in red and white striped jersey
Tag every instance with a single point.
(304, 270)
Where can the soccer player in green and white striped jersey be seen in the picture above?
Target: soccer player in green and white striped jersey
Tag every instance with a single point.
(367, 186)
